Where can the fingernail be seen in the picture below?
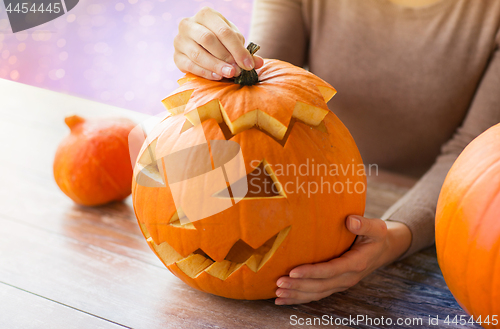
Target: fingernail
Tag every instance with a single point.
(295, 275)
(216, 76)
(248, 63)
(355, 223)
(284, 285)
(237, 70)
(279, 302)
(282, 294)
(226, 71)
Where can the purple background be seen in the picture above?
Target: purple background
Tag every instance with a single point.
(115, 52)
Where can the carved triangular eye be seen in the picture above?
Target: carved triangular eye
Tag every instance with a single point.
(179, 219)
(261, 182)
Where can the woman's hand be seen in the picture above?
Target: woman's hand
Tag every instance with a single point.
(378, 243)
(210, 46)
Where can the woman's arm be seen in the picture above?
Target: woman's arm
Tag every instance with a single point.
(410, 222)
(278, 26)
(417, 208)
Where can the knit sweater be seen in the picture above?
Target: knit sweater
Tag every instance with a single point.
(415, 85)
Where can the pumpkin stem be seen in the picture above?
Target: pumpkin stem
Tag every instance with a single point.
(248, 78)
(73, 120)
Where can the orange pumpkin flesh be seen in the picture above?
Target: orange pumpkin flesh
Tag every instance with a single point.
(468, 227)
(92, 164)
(241, 251)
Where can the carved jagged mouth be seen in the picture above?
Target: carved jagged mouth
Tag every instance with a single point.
(240, 254)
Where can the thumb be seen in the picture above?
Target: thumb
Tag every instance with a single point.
(259, 61)
(360, 225)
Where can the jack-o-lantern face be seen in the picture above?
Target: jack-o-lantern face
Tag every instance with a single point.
(302, 176)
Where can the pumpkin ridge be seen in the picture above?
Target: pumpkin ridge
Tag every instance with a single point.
(474, 232)
(110, 180)
(459, 202)
(462, 197)
(317, 146)
(495, 263)
(329, 163)
(311, 88)
(457, 208)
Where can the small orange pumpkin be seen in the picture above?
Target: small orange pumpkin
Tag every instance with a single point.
(92, 164)
(468, 228)
(279, 121)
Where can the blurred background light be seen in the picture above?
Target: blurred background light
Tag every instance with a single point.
(114, 52)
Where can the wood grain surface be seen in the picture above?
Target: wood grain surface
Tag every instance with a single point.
(68, 266)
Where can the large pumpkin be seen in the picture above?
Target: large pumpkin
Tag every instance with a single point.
(282, 120)
(468, 228)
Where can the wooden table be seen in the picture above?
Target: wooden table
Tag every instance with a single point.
(66, 266)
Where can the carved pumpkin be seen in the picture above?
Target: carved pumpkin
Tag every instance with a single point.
(92, 164)
(281, 120)
(468, 228)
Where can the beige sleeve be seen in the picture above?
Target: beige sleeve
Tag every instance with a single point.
(417, 208)
(274, 24)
